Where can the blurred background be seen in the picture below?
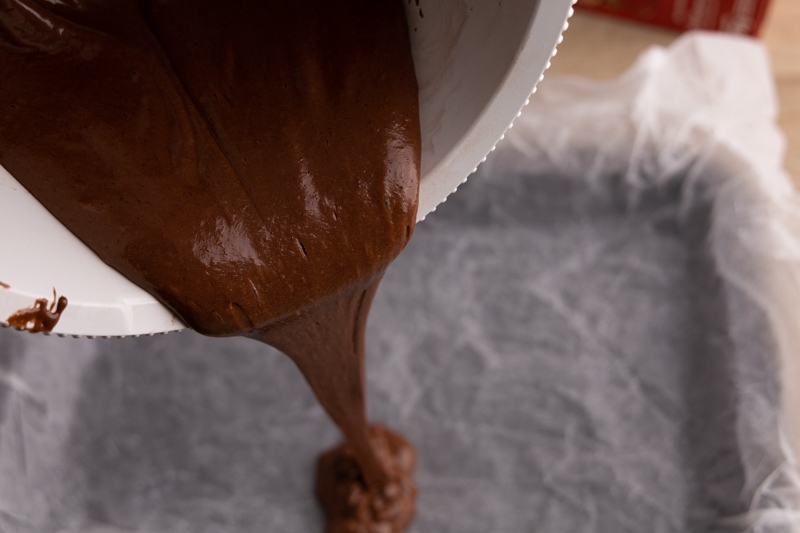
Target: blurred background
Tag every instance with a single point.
(600, 46)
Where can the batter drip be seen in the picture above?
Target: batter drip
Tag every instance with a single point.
(41, 316)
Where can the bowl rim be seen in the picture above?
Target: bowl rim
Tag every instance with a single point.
(549, 21)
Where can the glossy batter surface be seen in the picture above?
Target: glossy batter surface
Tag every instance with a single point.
(254, 165)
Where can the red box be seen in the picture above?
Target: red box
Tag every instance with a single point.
(735, 16)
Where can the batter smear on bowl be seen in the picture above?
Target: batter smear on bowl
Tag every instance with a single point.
(41, 316)
(254, 165)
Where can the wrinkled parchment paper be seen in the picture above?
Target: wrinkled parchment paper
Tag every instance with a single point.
(589, 336)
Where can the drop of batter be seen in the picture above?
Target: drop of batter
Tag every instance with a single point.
(352, 505)
(42, 316)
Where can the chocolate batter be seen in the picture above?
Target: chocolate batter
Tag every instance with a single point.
(4, 285)
(41, 316)
(254, 165)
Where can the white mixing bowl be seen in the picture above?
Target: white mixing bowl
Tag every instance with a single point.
(477, 63)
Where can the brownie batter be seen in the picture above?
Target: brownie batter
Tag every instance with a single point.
(42, 316)
(253, 165)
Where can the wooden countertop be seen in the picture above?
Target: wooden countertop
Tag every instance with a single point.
(602, 47)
